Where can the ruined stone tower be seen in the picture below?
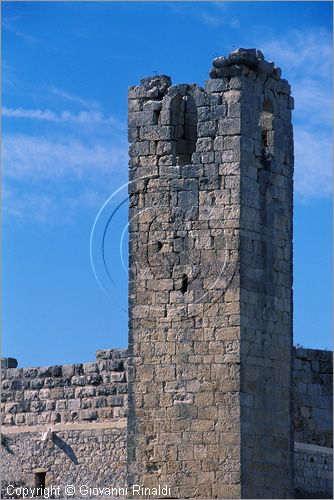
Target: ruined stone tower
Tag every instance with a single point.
(210, 288)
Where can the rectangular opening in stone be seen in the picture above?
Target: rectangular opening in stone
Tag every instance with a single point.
(39, 481)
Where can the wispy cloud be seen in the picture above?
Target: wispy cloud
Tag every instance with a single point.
(89, 104)
(51, 204)
(45, 179)
(306, 59)
(11, 24)
(217, 19)
(23, 204)
(36, 158)
(313, 102)
(41, 92)
(306, 50)
(93, 162)
(82, 32)
(212, 14)
(313, 160)
(64, 116)
(216, 14)
(73, 164)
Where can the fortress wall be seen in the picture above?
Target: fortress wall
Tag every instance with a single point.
(313, 423)
(313, 390)
(84, 405)
(94, 457)
(82, 392)
(85, 449)
(313, 471)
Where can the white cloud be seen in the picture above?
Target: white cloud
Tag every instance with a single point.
(217, 14)
(51, 204)
(64, 116)
(46, 180)
(56, 173)
(313, 160)
(36, 158)
(23, 205)
(313, 102)
(305, 57)
(217, 19)
(301, 52)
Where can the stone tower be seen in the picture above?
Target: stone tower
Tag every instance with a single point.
(210, 288)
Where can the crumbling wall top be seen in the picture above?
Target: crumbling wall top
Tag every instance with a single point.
(251, 58)
(249, 63)
(162, 82)
(9, 363)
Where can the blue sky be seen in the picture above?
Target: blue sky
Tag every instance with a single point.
(66, 70)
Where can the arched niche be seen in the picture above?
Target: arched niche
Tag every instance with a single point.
(266, 123)
(183, 117)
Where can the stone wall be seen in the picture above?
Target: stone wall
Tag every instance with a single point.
(313, 396)
(69, 421)
(92, 455)
(313, 471)
(69, 393)
(92, 450)
(313, 423)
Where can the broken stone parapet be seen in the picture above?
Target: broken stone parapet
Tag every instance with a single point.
(162, 82)
(9, 363)
(111, 354)
(243, 60)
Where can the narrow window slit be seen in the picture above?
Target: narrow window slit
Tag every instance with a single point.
(156, 117)
(184, 118)
(266, 124)
(184, 284)
(39, 476)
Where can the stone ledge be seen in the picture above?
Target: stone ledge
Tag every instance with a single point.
(111, 424)
(313, 354)
(313, 448)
